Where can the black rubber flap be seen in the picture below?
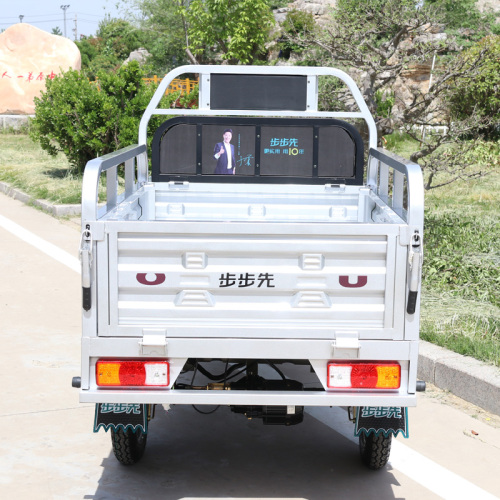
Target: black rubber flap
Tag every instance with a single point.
(386, 420)
(115, 415)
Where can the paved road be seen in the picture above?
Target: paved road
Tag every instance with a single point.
(48, 450)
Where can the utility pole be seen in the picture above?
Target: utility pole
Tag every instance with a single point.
(64, 7)
(75, 29)
(21, 19)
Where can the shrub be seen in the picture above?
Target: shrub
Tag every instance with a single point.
(86, 119)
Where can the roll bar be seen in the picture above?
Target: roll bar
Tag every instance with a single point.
(206, 72)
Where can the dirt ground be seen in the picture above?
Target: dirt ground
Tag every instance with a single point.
(474, 411)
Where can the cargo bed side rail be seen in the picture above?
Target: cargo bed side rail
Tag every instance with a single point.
(133, 157)
(399, 184)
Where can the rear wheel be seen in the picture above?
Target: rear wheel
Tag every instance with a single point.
(128, 446)
(375, 450)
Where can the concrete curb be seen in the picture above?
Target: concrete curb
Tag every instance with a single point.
(56, 210)
(466, 377)
(470, 379)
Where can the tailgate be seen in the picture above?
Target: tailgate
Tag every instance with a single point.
(251, 280)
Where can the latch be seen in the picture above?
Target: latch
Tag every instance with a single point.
(153, 343)
(86, 261)
(335, 188)
(415, 265)
(346, 345)
(178, 185)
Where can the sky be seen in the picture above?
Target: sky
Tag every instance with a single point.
(47, 14)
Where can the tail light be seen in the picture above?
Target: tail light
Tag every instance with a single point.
(114, 373)
(361, 375)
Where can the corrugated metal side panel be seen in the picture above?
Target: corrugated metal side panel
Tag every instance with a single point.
(251, 285)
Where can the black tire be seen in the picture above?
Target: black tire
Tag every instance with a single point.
(375, 450)
(128, 446)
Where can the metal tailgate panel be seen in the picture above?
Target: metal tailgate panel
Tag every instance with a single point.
(208, 282)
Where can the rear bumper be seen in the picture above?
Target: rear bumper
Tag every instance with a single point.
(260, 398)
(316, 352)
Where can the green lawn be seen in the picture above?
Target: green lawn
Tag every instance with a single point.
(24, 165)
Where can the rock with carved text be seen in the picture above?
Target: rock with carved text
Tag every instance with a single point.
(28, 57)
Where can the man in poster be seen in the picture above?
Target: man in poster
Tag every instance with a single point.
(224, 154)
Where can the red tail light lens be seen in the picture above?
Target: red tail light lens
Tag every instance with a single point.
(127, 373)
(384, 375)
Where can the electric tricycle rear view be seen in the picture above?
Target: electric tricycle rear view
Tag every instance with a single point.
(252, 267)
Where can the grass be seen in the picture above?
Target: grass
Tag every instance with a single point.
(24, 165)
(460, 298)
(461, 270)
(468, 334)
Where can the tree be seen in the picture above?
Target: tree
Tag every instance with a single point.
(119, 37)
(481, 94)
(163, 27)
(377, 40)
(374, 37)
(464, 100)
(57, 31)
(203, 30)
(114, 40)
(237, 29)
(446, 154)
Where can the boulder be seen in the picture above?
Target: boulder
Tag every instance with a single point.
(280, 14)
(28, 57)
(320, 9)
(489, 6)
(140, 55)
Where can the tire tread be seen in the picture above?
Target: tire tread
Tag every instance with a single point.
(375, 450)
(128, 446)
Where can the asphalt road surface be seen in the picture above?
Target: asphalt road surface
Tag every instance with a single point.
(48, 449)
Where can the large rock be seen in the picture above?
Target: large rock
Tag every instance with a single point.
(140, 55)
(489, 6)
(28, 56)
(320, 9)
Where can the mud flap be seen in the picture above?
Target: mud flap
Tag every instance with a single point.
(378, 419)
(125, 415)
